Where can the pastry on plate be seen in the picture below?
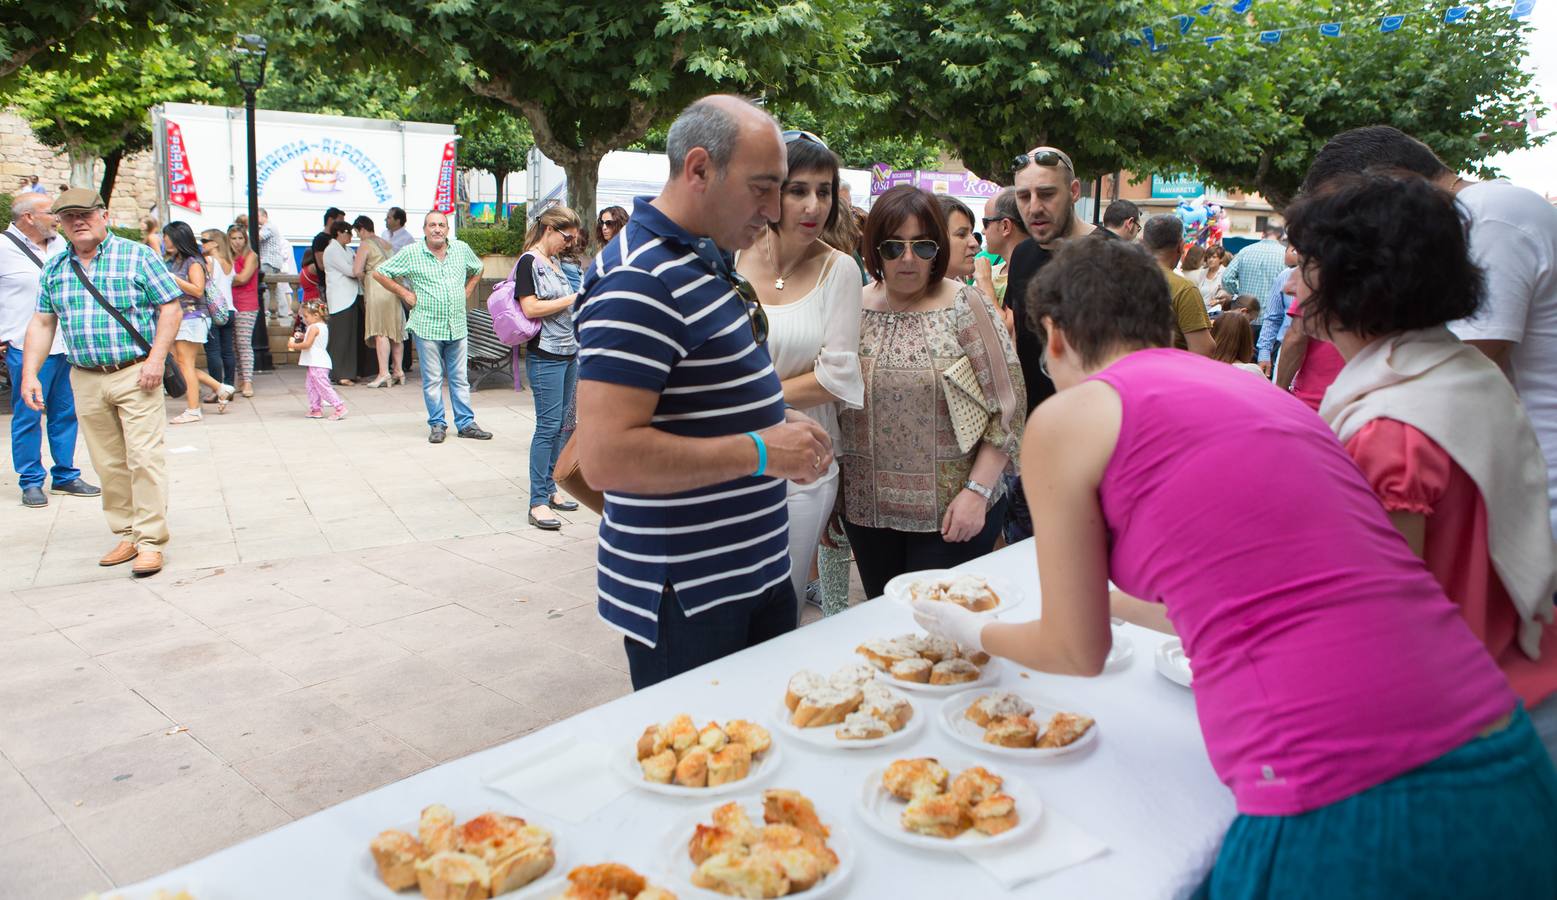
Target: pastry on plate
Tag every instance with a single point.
(732, 818)
(754, 736)
(853, 675)
(611, 881)
(712, 738)
(448, 875)
(1012, 731)
(712, 840)
(825, 706)
(800, 684)
(786, 836)
(692, 770)
(742, 875)
(954, 671)
(801, 867)
(887, 705)
(521, 866)
(994, 815)
(1064, 729)
(681, 734)
(977, 657)
(653, 741)
(862, 726)
(936, 649)
(975, 785)
(436, 830)
(936, 815)
(916, 669)
(910, 778)
(395, 853)
(730, 764)
(660, 768)
(993, 706)
(882, 654)
(786, 807)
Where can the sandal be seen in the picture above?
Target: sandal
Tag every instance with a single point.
(187, 416)
(248, 389)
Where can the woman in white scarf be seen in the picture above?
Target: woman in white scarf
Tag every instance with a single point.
(1434, 425)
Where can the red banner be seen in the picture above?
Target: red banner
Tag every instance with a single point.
(443, 200)
(181, 179)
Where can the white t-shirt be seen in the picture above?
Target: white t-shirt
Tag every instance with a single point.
(1513, 237)
(319, 354)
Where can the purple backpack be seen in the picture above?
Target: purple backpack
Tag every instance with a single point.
(510, 323)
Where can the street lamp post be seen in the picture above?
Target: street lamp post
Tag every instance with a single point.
(248, 69)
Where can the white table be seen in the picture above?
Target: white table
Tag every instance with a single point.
(1145, 788)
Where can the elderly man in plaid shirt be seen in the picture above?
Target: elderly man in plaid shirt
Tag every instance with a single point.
(443, 272)
(117, 385)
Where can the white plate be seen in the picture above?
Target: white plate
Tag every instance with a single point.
(626, 765)
(551, 888)
(1172, 664)
(884, 812)
(989, 673)
(825, 736)
(674, 848)
(366, 870)
(193, 889)
(1123, 649)
(1010, 594)
(963, 729)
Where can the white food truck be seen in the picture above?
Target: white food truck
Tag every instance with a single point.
(307, 164)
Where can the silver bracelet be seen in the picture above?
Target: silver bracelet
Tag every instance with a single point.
(987, 493)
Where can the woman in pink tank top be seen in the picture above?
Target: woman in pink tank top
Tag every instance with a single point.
(1342, 698)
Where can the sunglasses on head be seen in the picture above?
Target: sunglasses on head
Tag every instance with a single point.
(1042, 156)
(923, 248)
(754, 310)
(797, 135)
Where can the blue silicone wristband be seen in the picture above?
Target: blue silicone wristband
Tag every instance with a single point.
(762, 453)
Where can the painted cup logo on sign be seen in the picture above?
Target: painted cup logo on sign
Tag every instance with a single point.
(322, 175)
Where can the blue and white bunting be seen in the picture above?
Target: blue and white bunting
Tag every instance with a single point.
(1184, 21)
(1212, 40)
(1270, 37)
(1330, 29)
(1522, 9)
(1391, 23)
(1454, 15)
(1175, 30)
(1205, 10)
(1242, 6)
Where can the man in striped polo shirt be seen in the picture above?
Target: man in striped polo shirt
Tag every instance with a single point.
(681, 417)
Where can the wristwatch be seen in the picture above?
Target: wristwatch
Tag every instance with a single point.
(987, 493)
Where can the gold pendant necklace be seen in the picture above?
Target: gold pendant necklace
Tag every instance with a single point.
(778, 283)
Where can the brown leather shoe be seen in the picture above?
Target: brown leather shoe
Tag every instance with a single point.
(147, 562)
(123, 552)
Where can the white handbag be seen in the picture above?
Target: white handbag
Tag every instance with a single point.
(970, 409)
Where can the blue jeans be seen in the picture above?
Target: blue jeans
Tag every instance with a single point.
(437, 358)
(685, 643)
(26, 435)
(221, 352)
(552, 381)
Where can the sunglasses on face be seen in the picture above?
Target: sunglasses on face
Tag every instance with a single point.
(796, 135)
(607, 223)
(892, 249)
(754, 310)
(1042, 156)
(990, 220)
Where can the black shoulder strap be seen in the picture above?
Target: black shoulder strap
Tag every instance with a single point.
(109, 307)
(24, 248)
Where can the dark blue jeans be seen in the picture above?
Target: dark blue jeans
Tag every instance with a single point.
(59, 412)
(552, 382)
(221, 352)
(686, 643)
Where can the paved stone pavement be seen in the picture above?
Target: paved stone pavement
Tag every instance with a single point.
(344, 605)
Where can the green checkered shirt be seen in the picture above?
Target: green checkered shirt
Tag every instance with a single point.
(439, 313)
(128, 275)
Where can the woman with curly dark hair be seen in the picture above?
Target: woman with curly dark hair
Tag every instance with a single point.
(1432, 423)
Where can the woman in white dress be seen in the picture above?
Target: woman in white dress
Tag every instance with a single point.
(811, 294)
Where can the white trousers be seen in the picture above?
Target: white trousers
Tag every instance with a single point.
(809, 508)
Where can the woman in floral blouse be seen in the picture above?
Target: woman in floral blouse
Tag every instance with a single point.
(913, 498)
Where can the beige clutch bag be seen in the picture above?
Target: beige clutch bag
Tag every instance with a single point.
(965, 401)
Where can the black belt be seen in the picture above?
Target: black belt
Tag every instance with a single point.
(109, 370)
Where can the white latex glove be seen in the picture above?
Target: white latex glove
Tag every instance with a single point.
(952, 622)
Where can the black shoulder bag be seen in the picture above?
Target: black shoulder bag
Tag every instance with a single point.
(172, 378)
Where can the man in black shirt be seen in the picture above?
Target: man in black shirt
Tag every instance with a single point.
(1046, 190)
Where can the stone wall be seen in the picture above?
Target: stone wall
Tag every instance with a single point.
(135, 188)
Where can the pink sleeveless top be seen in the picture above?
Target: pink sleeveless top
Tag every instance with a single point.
(1327, 659)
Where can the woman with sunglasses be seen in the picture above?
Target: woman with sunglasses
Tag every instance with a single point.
(965, 241)
(609, 224)
(914, 498)
(811, 296)
(551, 358)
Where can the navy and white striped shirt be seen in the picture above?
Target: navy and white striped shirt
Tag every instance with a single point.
(660, 313)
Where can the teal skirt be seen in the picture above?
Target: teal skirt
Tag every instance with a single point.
(1479, 821)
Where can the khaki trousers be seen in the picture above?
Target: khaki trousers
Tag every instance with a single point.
(123, 427)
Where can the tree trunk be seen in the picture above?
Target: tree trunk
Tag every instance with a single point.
(110, 173)
(83, 168)
(583, 180)
(502, 205)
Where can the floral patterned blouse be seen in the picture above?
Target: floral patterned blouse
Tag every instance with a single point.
(901, 463)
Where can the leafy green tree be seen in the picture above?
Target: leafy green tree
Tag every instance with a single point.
(303, 83)
(1250, 115)
(30, 27)
(97, 106)
(495, 142)
(594, 77)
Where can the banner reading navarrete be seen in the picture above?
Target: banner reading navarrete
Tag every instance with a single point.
(181, 180)
(443, 198)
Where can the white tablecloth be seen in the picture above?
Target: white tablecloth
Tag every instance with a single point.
(1145, 788)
